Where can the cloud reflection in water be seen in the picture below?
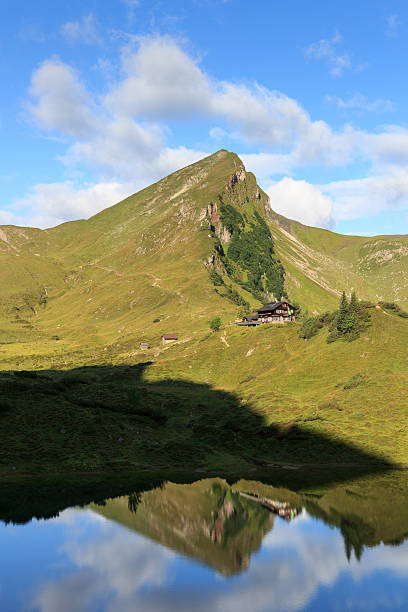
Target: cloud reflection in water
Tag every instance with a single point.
(117, 569)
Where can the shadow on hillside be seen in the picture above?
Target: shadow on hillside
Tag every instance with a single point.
(109, 419)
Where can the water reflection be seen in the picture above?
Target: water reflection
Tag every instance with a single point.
(207, 520)
(210, 545)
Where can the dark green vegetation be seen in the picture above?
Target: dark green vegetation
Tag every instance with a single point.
(215, 323)
(250, 259)
(346, 323)
(76, 301)
(393, 308)
(104, 418)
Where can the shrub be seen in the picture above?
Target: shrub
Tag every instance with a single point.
(310, 327)
(330, 405)
(366, 304)
(233, 295)
(394, 308)
(216, 278)
(355, 381)
(215, 323)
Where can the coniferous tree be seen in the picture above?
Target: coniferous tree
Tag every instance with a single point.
(343, 312)
(354, 306)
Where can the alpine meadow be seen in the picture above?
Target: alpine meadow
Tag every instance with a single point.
(89, 381)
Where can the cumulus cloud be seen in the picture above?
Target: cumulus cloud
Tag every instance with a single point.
(301, 201)
(161, 82)
(388, 148)
(323, 205)
(368, 196)
(265, 165)
(52, 203)
(61, 102)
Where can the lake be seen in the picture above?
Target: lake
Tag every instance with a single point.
(210, 544)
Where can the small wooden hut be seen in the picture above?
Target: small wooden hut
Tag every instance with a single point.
(166, 338)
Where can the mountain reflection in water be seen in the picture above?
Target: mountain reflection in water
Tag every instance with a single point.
(211, 545)
(207, 520)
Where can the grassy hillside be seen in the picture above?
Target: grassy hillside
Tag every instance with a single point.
(320, 263)
(76, 301)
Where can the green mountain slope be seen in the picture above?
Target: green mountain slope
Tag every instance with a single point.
(205, 242)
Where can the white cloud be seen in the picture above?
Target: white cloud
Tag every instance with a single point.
(261, 116)
(52, 203)
(324, 205)
(61, 101)
(265, 165)
(301, 201)
(388, 148)
(369, 196)
(161, 82)
(9, 218)
(85, 30)
(358, 101)
(326, 49)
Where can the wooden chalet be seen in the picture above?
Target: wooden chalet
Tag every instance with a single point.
(275, 312)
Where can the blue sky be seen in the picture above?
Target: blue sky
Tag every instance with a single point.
(99, 99)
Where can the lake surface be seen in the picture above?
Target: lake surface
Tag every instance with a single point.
(210, 545)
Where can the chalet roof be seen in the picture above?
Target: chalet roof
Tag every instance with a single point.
(170, 337)
(251, 317)
(273, 306)
(269, 307)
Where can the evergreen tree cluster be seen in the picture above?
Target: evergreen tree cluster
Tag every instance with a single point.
(352, 318)
(346, 323)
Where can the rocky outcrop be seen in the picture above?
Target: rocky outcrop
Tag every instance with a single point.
(225, 235)
(238, 177)
(213, 212)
